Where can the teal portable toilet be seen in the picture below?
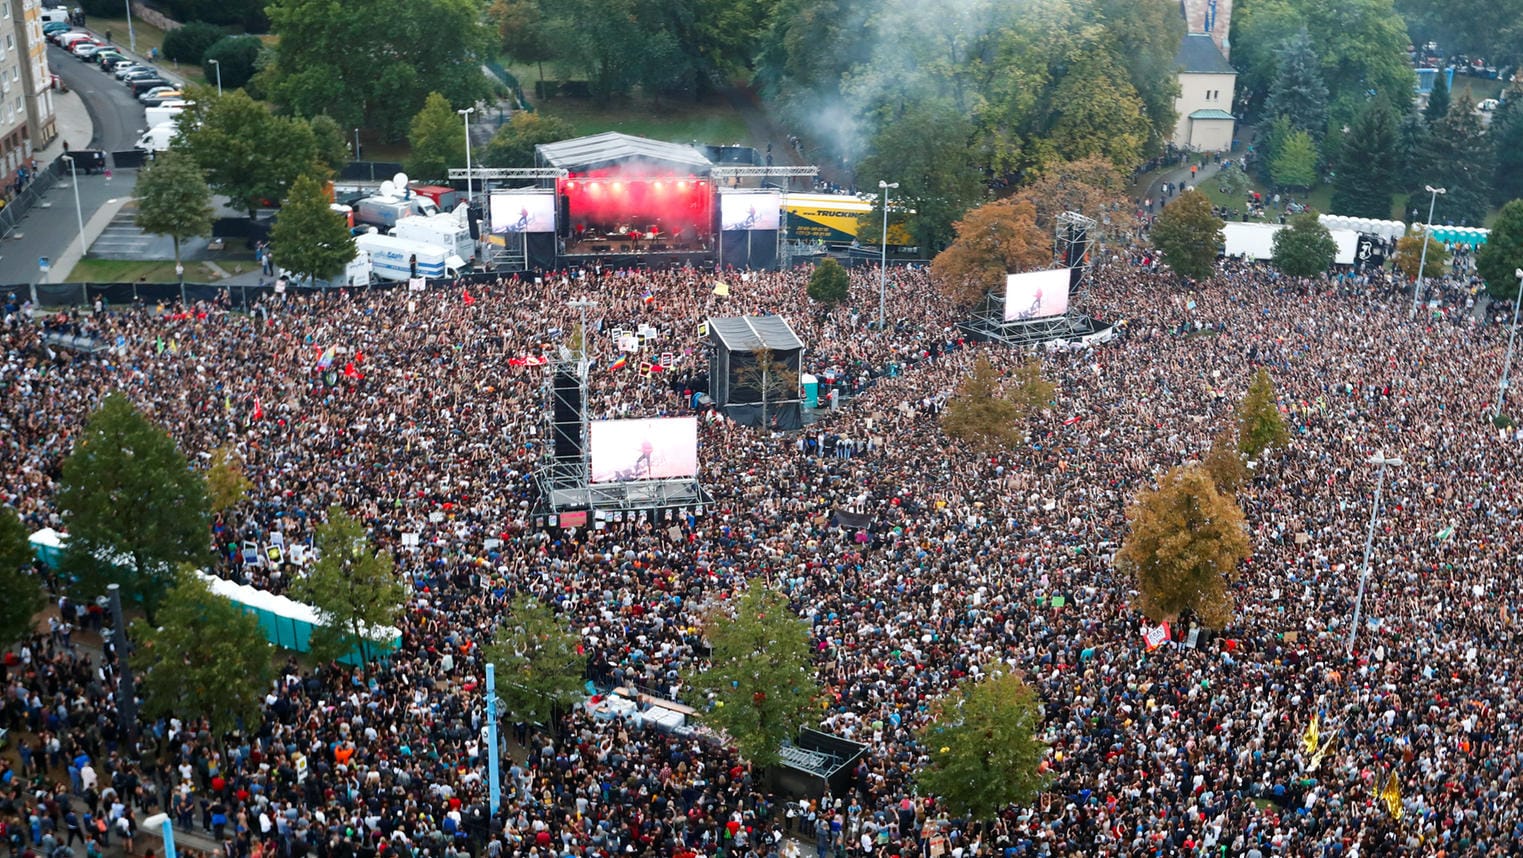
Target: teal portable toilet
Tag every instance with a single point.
(811, 386)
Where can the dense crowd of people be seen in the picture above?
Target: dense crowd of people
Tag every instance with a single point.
(422, 413)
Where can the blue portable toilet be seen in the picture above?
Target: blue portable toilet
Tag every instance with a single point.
(811, 386)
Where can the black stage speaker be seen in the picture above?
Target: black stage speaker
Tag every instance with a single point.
(567, 417)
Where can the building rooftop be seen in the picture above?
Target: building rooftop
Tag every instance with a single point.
(1198, 54)
(1211, 113)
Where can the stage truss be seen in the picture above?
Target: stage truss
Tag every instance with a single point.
(484, 173)
(1074, 239)
(751, 172)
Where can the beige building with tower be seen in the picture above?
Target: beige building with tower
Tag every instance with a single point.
(26, 87)
(1207, 82)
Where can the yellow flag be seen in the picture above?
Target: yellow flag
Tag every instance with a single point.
(1392, 796)
(721, 289)
(1327, 747)
(1311, 738)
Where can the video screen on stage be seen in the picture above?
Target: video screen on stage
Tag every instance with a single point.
(654, 449)
(522, 211)
(750, 210)
(1036, 294)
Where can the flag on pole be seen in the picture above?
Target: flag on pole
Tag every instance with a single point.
(1153, 638)
(326, 359)
(1327, 747)
(1311, 739)
(721, 289)
(1392, 796)
(258, 409)
(620, 363)
(1443, 535)
(465, 297)
(1072, 420)
(648, 297)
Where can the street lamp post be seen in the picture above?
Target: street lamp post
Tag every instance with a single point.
(131, 37)
(466, 113)
(356, 144)
(883, 263)
(1512, 336)
(218, 66)
(162, 822)
(79, 215)
(1380, 462)
(494, 788)
(1422, 262)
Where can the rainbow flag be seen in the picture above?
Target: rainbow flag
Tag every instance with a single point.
(620, 363)
(648, 297)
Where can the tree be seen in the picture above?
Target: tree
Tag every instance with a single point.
(249, 154)
(372, 63)
(993, 240)
(1368, 162)
(771, 378)
(1409, 255)
(1225, 463)
(513, 144)
(1501, 256)
(1438, 99)
(173, 199)
(1295, 163)
(1507, 136)
(1305, 248)
(189, 42)
(1459, 158)
(520, 31)
(204, 658)
(1259, 424)
(309, 238)
(1183, 548)
(355, 589)
(989, 415)
(828, 283)
(1100, 114)
(1411, 144)
(1188, 235)
(1298, 92)
(437, 137)
(1090, 186)
(134, 508)
(1234, 182)
(539, 670)
(23, 595)
(925, 149)
(236, 56)
(332, 148)
(226, 485)
(759, 680)
(983, 746)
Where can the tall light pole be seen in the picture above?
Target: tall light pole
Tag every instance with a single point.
(494, 788)
(79, 215)
(218, 66)
(131, 37)
(356, 144)
(883, 263)
(1512, 337)
(1380, 462)
(1422, 263)
(469, 197)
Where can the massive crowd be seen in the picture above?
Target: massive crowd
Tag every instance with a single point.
(429, 422)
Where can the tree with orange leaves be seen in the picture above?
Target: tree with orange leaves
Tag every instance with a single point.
(993, 240)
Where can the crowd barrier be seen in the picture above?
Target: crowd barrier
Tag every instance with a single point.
(234, 295)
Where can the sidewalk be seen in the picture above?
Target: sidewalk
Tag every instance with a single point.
(74, 125)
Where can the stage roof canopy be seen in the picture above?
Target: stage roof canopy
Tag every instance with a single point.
(749, 333)
(612, 148)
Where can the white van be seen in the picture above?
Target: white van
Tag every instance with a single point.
(157, 138)
(53, 14)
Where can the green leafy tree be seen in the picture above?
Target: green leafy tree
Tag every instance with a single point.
(1480, 28)
(204, 658)
(23, 593)
(1409, 255)
(993, 240)
(1298, 92)
(1183, 548)
(759, 682)
(1368, 161)
(1501, 256)
(982, 742)
(1101, 113)
(1295, 164)
(249, 154)
(1234, 182)
(226, 484)
(513, 144)
(1189, 235)
(925, 151)
(539, 670)
(332, 147)
(173, 199)
(1507, 136)
(372, 63)
(309, 238)
(437, 137)
(520, 31)
(189, 42)
(1305, 248)
(355, 589)
(236, 56)
(134, 508)
(1459, 158)
(1438, 99)
(1411, 144)
(773, 380)
(988, 412)
(828, 283)
(1259, 424)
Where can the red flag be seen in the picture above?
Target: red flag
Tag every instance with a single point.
(258, 409)
(465, 296)
(351, 372)
(1072, 420)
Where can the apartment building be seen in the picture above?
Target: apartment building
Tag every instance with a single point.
(26, 87)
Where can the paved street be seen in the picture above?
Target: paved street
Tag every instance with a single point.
(117, 117)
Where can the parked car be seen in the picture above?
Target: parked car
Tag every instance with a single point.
(140, 73)
(53, 27)
(86, 50)
(1488, 104)
(111, 67)
(69, 39)
(143, 85)
(158, 90)
(173, 96)
(122, 71)
(108, 57)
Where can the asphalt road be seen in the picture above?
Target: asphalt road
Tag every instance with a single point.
(118, 118)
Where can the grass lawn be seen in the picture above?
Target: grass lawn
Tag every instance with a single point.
(91, 270)
(146, 36)
(712, 120)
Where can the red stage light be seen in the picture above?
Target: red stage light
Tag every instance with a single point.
(657, 185)
(571, 186)
(700, 184)
(618, 186)
(682, 186)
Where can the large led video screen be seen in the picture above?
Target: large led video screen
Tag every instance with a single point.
(522, 211)
(654, 449)
(1036, 294)
(739, 211)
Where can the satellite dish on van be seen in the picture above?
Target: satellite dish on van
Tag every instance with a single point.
(388, 189)
(400, 180)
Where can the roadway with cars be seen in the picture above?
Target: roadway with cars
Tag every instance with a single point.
(118, 117)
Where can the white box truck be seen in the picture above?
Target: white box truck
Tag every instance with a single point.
(441, 229)
(386, 212)
(156, 139)
(392, 258)
(163, 113)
